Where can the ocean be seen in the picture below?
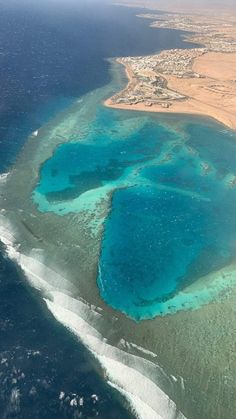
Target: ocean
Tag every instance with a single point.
(51, 54)
(117, 227)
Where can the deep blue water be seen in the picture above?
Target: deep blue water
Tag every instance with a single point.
(50, 54)
(39, 360)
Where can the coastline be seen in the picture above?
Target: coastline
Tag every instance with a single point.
(72, 253)
(171, 339)
(189, 106)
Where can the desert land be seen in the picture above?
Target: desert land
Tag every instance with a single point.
(199, 80)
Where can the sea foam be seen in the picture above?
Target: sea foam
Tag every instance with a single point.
(134, 377)
(3, 177)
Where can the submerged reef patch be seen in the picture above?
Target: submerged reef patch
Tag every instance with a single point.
(170, 208)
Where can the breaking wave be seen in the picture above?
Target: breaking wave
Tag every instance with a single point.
(131, 375)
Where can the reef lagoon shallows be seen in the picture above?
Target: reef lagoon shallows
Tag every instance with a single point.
(171, 199)
(125, 222)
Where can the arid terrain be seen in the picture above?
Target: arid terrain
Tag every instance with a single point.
(200, 80)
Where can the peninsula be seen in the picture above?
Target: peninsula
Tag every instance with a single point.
(200, 80)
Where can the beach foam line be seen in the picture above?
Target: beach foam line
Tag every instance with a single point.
(136, 378)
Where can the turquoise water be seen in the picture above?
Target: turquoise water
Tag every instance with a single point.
(171, 218)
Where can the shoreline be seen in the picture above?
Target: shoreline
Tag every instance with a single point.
(189, 106)
(62, 249)
(176, 342)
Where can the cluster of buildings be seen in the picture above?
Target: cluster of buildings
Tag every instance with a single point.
(148, 90)
(148, 85)
(181, 22)
(215, 33)
(175, 62)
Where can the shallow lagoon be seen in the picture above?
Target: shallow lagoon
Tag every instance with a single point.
(172, 206)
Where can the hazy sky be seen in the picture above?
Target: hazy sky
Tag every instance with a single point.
(180, 4)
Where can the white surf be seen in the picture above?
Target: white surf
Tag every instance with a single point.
(136, 378)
